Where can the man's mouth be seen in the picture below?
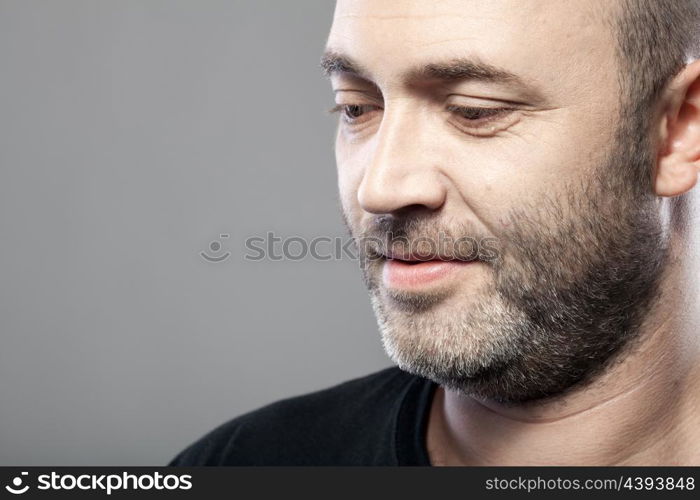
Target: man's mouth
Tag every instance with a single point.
(413, 272)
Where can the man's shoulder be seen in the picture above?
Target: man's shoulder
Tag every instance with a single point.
(335, 425)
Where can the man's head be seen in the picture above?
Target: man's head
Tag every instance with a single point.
(539, 125)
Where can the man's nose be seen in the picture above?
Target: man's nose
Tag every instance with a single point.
(403, 170)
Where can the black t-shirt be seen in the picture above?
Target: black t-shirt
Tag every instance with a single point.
(378, 419)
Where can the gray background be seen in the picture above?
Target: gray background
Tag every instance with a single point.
(132, 134)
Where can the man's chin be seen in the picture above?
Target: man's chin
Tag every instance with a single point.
(457, 340)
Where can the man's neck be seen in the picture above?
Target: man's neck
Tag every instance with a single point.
(644, 410)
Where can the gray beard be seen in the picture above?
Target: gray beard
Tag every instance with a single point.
(571, 287)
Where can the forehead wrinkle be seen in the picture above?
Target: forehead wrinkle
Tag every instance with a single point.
(405, 17)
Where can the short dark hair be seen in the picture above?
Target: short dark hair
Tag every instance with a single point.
(655, 38)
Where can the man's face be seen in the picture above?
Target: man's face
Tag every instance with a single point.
(492, 121)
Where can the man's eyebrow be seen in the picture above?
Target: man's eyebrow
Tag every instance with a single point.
(463, 69)
(456, 69)
(333, 62)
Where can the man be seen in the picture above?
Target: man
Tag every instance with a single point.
(561, 140)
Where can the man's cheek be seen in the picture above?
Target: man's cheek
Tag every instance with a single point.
(348, 186)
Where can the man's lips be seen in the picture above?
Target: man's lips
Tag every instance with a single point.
(412, 272)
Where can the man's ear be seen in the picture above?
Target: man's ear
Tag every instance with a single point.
(678, 164)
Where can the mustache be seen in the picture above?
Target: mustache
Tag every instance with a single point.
(423, 238)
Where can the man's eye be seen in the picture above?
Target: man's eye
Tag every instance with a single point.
(482, 121)
(352, 113)
(477, 113)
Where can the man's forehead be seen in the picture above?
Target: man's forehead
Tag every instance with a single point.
(590, 11)
(533, 39)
